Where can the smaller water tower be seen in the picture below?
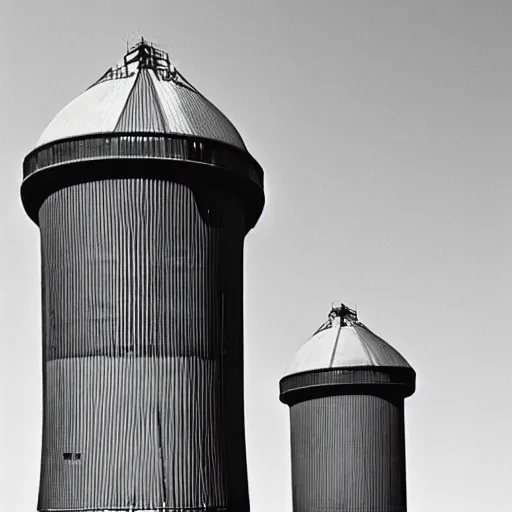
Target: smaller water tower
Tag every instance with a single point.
(346, 389)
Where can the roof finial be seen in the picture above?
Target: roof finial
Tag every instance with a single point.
(344, 313)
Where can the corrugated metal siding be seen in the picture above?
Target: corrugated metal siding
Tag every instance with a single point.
(143, 111)
(142, 346)
(190, 113)
(348, 454)
(148, 431)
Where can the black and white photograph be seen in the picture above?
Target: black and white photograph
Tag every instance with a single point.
(255, 256)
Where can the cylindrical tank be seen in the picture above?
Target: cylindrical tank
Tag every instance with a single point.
(346, 389)
(143, 192)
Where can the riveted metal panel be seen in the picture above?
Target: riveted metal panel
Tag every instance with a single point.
(142, 347)
(348, 454)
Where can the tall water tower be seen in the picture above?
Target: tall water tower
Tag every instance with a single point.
(143, 192)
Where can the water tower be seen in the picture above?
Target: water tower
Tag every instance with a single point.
(346, 389)
(143, 192)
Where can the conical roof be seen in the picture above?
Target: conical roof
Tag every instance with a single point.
(344, 342)
(143, 93)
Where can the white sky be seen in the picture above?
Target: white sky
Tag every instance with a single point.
(384, 129)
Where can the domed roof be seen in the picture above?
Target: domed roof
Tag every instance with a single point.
(341, 342)
(143, 93)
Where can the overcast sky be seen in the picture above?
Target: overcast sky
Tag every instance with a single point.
(384, 129)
